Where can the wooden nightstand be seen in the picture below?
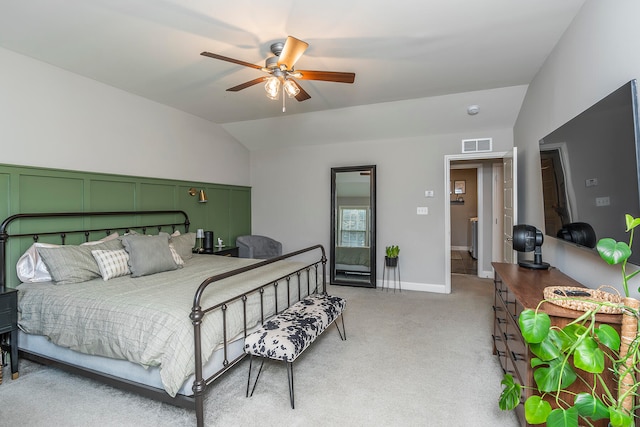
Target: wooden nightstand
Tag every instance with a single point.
(9, 326)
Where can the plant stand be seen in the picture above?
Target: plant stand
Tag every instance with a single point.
(391, 264)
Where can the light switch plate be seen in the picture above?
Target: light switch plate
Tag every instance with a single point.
(423, 210)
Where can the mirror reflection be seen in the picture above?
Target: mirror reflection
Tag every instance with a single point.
(352, 260)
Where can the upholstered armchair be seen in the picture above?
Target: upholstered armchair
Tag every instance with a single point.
(258, 247)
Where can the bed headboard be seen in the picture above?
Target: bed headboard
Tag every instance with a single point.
(74, 227)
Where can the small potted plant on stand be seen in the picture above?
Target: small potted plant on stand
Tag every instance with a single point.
(391, 257)
(587, 346)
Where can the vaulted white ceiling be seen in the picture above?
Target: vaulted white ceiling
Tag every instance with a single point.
(422, 58)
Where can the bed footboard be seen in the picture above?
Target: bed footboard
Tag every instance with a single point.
(198, 313)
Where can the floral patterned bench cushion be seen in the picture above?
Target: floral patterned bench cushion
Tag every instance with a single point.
(288, 334)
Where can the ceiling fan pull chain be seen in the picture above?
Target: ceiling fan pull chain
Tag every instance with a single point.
(284, 109)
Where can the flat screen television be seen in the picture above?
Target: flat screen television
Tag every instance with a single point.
(590, 175)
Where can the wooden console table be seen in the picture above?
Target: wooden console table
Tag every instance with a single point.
(518, 289)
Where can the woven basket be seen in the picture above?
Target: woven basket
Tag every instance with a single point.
(585, 303)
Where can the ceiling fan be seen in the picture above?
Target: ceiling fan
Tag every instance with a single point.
(281, 73)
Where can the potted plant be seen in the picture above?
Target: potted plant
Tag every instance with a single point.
(391, 257)
(584, 345)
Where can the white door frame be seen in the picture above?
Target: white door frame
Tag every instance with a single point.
(447, 208)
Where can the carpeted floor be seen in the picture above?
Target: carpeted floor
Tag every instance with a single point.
(410, 359)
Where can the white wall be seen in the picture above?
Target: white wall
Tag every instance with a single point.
(597, 54)
(291, 196)
(52, 118)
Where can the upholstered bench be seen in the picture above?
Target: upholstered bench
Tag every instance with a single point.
(286, 335)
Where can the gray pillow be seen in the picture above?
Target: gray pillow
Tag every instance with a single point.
(74, 264)
(183, 244)
(148, 254)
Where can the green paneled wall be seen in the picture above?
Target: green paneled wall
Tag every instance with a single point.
(29, 189)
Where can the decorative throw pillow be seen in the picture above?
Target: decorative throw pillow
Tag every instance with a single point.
(183, 244)
(148, 254)
(74, 264)
(112, 263)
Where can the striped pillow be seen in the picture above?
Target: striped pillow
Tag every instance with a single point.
(112, 263)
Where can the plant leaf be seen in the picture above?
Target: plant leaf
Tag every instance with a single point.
(608, 337)
(590, 406)
(617, 418)
(536, 410)
(550, 348)
(557, 376)
(563, 418)
(613, 252)
(510, 396)
(534, 326)
(588, 356)
(631, 222)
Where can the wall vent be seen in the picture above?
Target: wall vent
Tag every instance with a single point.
(478, 145)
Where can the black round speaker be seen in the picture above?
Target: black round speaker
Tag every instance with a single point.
(527, 238)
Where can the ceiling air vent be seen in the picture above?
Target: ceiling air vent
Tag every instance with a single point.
(479, 145)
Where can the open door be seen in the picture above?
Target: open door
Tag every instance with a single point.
(510, 202)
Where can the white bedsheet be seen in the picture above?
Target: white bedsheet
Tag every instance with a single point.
(146, 320)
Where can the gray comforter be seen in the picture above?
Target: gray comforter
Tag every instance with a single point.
(146, 319)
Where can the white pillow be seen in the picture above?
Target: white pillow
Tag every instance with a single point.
(112, 263)
(176, 257)
(30, 266)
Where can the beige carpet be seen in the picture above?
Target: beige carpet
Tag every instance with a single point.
(410, 359)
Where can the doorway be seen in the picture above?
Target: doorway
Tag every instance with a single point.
(492, 238)
(463, 202)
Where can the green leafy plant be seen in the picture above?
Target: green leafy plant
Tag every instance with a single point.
(392, 251)
(580, 352)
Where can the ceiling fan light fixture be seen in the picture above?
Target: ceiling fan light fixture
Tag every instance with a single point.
(291, 88)
(272, 87)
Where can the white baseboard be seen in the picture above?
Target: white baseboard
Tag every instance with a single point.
(486, 274)
(460, 248)
(409, 286)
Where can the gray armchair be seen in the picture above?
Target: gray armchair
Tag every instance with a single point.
(258, 247)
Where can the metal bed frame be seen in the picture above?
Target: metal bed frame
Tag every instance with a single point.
(198, 312)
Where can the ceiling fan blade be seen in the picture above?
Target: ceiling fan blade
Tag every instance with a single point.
(302, 95)
(291, 52)
(247, 84)
(234, 61)
(327, 76)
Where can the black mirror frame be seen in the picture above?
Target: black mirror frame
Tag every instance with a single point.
(371, 170)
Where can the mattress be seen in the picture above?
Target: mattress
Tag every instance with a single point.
(145, 320)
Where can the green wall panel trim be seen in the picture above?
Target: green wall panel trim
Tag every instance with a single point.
(32, 189)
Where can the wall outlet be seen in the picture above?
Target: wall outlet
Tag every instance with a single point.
(428, 193)
(591, 182)
(423, 210)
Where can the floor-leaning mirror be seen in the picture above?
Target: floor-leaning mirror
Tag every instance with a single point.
(353, 226)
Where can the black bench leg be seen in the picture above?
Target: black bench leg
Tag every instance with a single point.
(290, 379)
(343, 333)
(249, 379)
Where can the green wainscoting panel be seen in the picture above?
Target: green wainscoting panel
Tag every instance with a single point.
(240, 212)
(26, 189)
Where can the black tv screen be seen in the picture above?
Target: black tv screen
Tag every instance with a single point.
(590, 176)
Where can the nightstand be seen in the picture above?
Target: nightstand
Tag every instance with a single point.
(226, 251)
(9, 326)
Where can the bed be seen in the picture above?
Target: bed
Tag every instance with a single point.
(353, 260)
(149, 316)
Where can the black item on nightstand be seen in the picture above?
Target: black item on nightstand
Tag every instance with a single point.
(208, 242)
(9, 326)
